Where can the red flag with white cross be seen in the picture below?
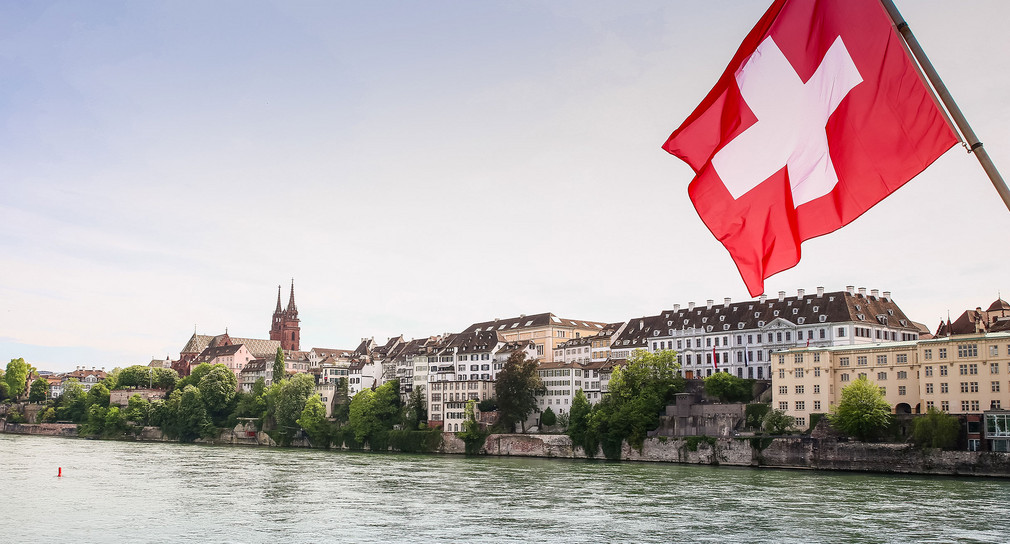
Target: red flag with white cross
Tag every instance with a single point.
(819, 116)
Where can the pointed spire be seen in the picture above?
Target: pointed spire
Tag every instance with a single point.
(291, 301)
(278, 309)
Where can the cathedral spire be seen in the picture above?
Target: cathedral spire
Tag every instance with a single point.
(291, 301)
(278, 310)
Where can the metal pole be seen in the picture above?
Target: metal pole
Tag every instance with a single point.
(974, 146)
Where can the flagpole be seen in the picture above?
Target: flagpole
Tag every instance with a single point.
(974, 145)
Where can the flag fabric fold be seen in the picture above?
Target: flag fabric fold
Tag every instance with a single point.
(819, 116)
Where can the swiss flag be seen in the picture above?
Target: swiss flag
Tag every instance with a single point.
(819, 116)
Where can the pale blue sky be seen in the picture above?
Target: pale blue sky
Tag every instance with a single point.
(417, 167)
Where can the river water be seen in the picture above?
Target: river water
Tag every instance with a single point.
(155, 492)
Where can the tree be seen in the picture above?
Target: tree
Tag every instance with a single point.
(372, 414)
(195, 375)
(217, 389)
(313, 421)
(254, 403)
(936, 429)
(16, 378)
(38, 391)
(416, 411)
(729, 388)
(862, 412)
(279, 366)
(548, 417)
(191, 421)
(516, 388)
(73, 402)
(97, 395)
(290, 401)
(147, 376)
(578, 418)
(138, 410)
(638, 394)
(778, 422)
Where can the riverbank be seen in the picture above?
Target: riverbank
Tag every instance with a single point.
(798, 452)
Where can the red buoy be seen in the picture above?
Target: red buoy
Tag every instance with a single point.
(60, 473)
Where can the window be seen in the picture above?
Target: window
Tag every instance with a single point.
(994, 405)
(845, 377)
(800, 405)
(843, 361)
(881, 376)
(861, 360)
(973, 369)
(973, 386)
(963, 370)
(841, 332)
(993, 351)
(927, 354)
(928, 371)
(799, 372)
(817, 405)
(975, 406)
(782, 374)
(881, 360)
(943, 387)
(783, 389)
(902, 375)
(902, 358)
(994, 368)
(817, 372)
(799, 389)
(783, 405)
(945, 405)
(801, 422)
(967, 350)
(817, 389)
(901, 390)
(929, 389)
(943, 371)
(930, 404)
(942, 353)
(798, 358)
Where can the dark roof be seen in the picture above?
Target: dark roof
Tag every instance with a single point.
(474, 342)
(256, 365)
(998, 305)
(638, 332)
(533, 321)
(212, 353)
(834, 307)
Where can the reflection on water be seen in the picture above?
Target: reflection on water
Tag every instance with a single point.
(149, 492)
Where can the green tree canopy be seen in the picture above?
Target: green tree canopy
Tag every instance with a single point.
(98, 395)
(217, 389)
(936, 429)
(862, 412)
(290, 401)
(279, 372)
(516, 387)
(638, 394)
(138, 410)
(777, 421)
(729, 388)
(313, 421)
(195, 375)
(578, 417)
(73, 402)
(16, 378)
(147, 376)
(39, 391)
(372, 414)
(416, 410)
(548, 417)
(187, 417)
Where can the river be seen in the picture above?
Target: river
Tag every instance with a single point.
(156, 492)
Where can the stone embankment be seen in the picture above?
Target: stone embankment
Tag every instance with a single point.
(783, 452)
(801, 452)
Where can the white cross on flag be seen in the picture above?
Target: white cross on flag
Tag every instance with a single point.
(819, 116)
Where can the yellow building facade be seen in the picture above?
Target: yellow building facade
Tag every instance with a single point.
(964, 374)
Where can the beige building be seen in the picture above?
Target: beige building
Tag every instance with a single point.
(963, 374)
(546, 331)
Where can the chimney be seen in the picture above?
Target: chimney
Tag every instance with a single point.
(708, 304)
(875, 293)
(862, 291)
(762, 298)
(676, 307)
(800, 293)
(690, 306)
(782, 296)
(851, 289)
(726, 301)
(820, 291)
(887, 296)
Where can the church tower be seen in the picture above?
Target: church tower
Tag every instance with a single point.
(284, 326)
